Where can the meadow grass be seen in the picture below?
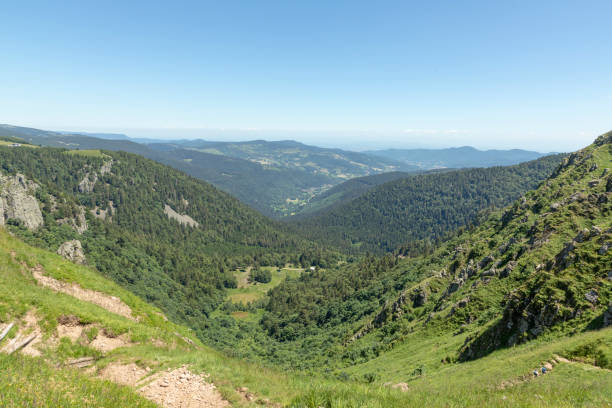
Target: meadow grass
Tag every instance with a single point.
(248, 292)
(88, 153)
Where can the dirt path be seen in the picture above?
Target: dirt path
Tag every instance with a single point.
(111, 303)
(179, 388)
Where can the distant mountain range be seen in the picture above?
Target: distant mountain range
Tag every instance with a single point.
(278, 178)
(457, 157)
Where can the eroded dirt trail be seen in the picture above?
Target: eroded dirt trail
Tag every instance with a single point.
(111, 303)
(179, 388)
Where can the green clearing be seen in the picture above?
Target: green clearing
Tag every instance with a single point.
(88, 153)
(249, 292)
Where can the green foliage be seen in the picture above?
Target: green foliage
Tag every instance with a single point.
(260, 275)
(428, 206)
(181, 269)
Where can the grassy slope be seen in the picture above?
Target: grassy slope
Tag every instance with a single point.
(248, 292)
(441, 385)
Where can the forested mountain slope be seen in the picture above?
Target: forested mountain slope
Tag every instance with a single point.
(534, 273)
(344, 192)
(456, 157)
(427, 206)
(70, 349)
(276, 178)
(169, 238)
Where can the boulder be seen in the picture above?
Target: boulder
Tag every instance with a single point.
(73, 251)
(509, 268)
(604, 248)
(583, 235)
(454, 286)
(419, 297)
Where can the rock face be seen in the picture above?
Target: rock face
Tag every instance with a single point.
(89, 181)
(73, 251)
(87, 184)
(17, 201)
(182, 219)
(78, 223)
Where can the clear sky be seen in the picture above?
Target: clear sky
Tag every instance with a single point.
(527, 74)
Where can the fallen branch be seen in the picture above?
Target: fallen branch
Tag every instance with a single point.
(6, 330)
(22, 344)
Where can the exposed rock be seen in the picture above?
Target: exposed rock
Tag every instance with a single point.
(555, 206)
(485, 261)
(181, 218)
(106, 167)
(87, 184)
(565, 257)
(593, 167)
(583, 235)
(577, 197)
(419, 297)
(73, 251)
(504, 247)
(454, 286)
(592, 296)
(78, 223)
(595, 231)
(604, 248)
(610, 276)
(17, 201)
(489, 273)
(509, 268)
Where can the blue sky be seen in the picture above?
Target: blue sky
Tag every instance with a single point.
(528, 74)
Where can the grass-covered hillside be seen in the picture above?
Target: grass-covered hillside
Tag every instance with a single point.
(86, 352)
(173, 240)
(422, 207)
(540, 268)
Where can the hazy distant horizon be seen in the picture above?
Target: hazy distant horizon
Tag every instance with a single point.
(348, 140)
(357, 75)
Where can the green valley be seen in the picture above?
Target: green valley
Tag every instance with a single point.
(465, 322)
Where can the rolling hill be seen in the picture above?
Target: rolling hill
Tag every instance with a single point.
(276, 178)
(425, 206)
(457, 157)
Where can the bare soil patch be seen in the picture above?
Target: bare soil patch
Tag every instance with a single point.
(111, 303)
(179, 388)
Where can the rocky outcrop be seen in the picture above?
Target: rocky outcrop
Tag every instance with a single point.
(106, 167)
(18, 202)
(73, 251)
(87, 184)
(78, 222)
(181, 218)
(89, 181)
